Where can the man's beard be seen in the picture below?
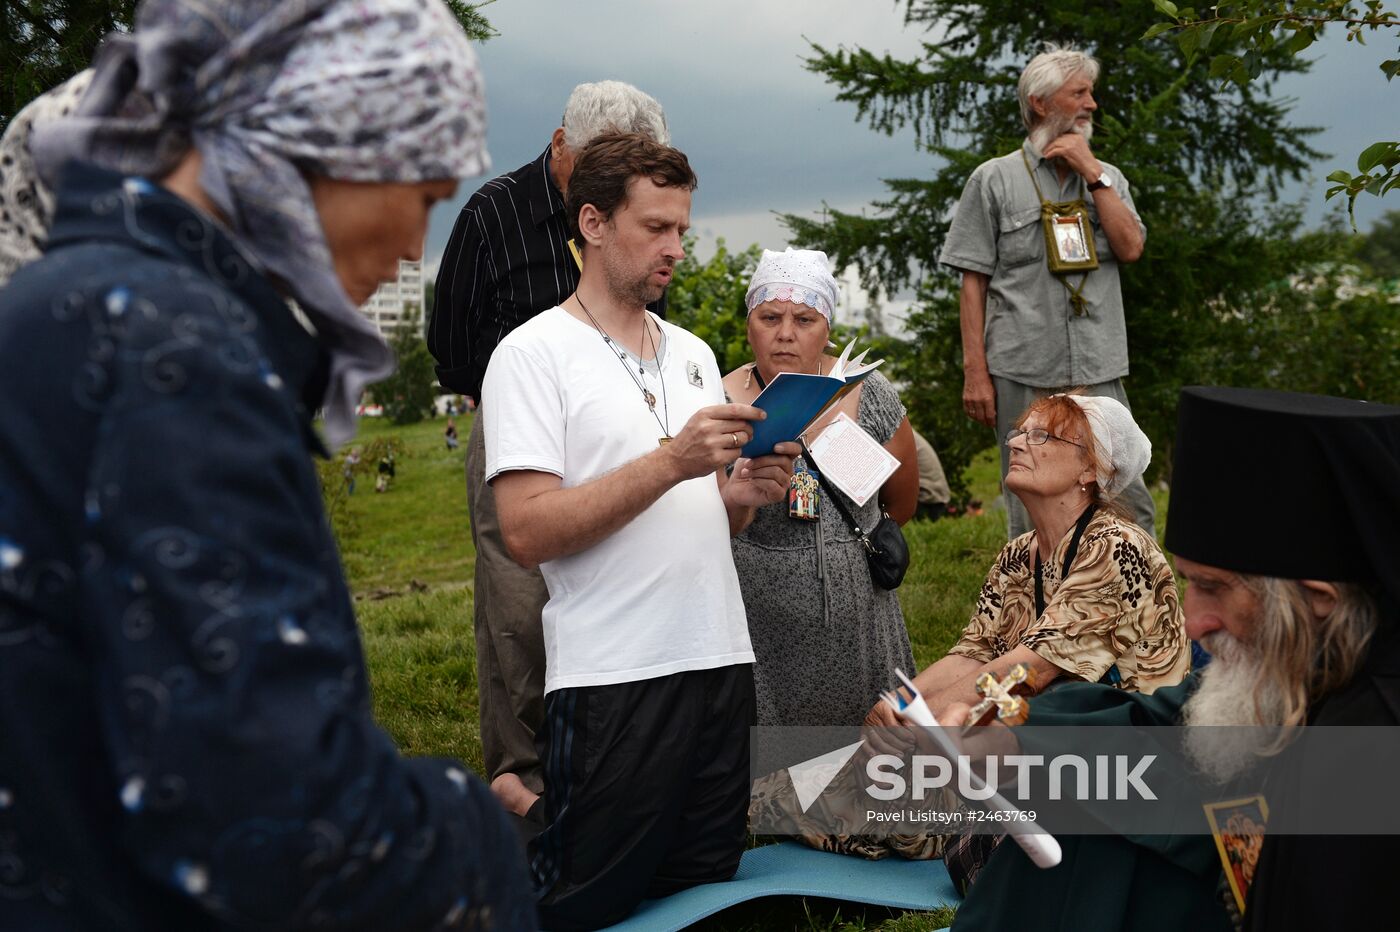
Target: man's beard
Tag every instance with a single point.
(1232, 694)
(1055, 127)
(625, 287)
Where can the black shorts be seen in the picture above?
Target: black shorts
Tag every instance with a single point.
(646, 792)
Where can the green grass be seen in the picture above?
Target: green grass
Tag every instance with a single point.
(409, 559)
(418, 530)
(948, 560)
(422, 662)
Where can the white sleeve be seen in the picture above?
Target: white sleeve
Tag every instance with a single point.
(524, 414)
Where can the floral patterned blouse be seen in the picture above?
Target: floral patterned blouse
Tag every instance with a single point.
(1116, 609)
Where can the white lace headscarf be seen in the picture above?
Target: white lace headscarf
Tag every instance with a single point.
(799, 276)
(1122, 449)
(269, 91)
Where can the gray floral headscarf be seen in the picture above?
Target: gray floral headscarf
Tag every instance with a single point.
(357, 90)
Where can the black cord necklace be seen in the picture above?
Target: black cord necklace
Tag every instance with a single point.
(637, 379)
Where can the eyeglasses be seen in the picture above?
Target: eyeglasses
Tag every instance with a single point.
(1036, 436)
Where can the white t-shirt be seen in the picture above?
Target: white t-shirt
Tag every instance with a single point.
(660, 595)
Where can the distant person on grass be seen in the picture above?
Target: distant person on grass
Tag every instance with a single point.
(607, 442)
(387, 472)
(351, 465)
(934, 494)
(511, 257)
(186, 739)
(1028, 332)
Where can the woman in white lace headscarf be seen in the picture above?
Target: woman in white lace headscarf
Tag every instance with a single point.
(825, 636)
(273, 96)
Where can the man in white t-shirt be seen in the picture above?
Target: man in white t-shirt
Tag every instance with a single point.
(607, 442)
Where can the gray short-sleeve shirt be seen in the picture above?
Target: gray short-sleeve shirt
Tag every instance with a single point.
(1032, 334)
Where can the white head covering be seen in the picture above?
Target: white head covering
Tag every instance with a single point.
(271, 90)
(801, 276)
(1123, 450)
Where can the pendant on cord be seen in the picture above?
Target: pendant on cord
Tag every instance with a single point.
(804, 495)
(650, 399)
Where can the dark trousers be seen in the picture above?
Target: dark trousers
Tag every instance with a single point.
(646, 792)
(506, 603)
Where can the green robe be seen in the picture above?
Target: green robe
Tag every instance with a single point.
(1149, 883)
(1105, 882)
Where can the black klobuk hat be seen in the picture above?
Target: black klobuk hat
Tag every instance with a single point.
(1287, 485)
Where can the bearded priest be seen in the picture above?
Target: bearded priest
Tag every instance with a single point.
(1283, 522)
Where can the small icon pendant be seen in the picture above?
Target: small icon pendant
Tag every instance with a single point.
(804, 495)
(650, 400)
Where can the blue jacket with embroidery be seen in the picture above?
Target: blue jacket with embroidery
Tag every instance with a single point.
(185, 731)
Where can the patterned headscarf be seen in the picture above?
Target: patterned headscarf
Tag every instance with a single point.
(356, 90)
(800, 276)
(28, 202)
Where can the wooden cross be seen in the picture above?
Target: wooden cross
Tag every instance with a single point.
(1003, 698)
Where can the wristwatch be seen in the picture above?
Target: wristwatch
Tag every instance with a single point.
(1103, 182)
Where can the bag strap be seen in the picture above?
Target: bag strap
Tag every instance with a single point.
(1030, 171)
(1070, 553)
(1076, 292)
(835, 499)
(1038, 193)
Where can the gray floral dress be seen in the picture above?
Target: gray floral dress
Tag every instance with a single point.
(826, 641)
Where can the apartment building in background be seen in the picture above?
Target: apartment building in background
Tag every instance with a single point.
(397, 302)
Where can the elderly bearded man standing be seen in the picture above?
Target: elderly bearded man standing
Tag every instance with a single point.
(1302, 614)
(1026, 330)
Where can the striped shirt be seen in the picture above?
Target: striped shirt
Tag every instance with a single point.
(508, 259)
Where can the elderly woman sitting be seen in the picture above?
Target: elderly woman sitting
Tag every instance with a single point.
(825, 639)
(1088, 594)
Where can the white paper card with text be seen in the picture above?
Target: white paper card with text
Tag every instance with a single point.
(851, 460)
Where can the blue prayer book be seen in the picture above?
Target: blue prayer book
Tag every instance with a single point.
(794, 400)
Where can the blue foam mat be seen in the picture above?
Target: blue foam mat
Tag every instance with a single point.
(791, 869)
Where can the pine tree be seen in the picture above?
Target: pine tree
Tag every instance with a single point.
(45, 42)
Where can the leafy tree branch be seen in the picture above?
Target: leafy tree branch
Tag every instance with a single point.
(1263, 27)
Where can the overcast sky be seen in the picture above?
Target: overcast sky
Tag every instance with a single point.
(764, 134)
